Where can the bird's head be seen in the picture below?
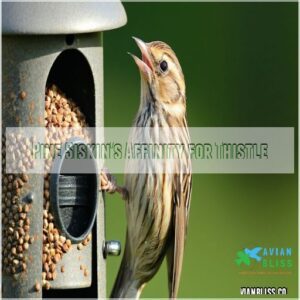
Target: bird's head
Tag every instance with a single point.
(162, 77)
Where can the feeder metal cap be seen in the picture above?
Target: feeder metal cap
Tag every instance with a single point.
(61, 17)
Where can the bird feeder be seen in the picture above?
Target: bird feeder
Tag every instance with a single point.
(44, 44)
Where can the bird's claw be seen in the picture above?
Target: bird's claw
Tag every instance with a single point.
(107, 181)
(108, 184)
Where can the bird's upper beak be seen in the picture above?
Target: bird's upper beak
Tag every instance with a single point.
(145, 64)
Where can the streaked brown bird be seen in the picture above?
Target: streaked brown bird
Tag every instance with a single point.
(158, 203)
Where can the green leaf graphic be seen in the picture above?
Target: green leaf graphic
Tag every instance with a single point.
(242, 257)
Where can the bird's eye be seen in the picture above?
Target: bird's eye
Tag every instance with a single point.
(163, 66)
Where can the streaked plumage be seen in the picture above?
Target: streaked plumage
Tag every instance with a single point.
(158, 204)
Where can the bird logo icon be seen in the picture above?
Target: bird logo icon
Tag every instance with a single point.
(244, 256)
(254, 253)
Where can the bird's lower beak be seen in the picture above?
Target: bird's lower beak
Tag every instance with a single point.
(144, 64)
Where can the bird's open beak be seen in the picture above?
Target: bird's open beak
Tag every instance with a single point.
(144, 64)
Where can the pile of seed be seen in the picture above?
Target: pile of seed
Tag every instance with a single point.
(16, 237)
(60, 112)
(19, 155)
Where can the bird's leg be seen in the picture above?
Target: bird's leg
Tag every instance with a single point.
(108, 184)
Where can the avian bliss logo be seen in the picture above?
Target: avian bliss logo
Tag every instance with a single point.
(273, 258)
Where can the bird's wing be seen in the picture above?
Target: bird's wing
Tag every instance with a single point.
(182, 195)
(256, 250)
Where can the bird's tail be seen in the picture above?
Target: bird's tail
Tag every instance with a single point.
(125, 285)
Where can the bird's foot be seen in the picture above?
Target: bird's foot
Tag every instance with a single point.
(108, 184)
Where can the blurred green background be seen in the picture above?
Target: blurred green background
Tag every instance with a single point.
(240, 64)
